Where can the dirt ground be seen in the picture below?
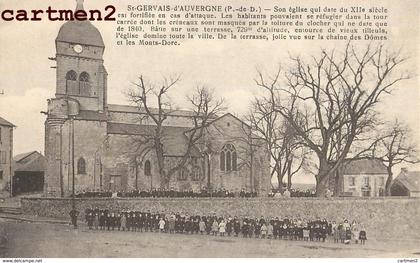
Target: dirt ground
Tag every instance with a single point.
(51, 240)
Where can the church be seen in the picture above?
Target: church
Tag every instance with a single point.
(88, 142)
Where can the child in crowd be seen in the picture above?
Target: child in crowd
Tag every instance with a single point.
(355, 231)
(270, 229)
(342, 233)
(202, 226)
(222, 228)
(348, 236)
(288, 228)
(335, 232)
(215, 228)
(123, 222)
(362, 235)
(96, 222)
(306, 233)
(263, 230)
(161, 225)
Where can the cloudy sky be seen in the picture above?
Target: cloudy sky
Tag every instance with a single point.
(228, 67)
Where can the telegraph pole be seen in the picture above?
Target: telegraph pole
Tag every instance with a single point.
(72, 163)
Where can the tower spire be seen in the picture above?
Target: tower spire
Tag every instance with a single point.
(79, 5)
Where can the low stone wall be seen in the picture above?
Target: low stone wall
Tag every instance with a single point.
(390, 218)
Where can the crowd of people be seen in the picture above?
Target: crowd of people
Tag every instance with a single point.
(167, 193)
(292, 193)
(246, 227)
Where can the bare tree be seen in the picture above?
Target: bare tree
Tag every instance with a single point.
(204, 107)
(394, 147)
(336, 93)
(287, 154)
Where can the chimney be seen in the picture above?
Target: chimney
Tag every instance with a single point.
(404, 170)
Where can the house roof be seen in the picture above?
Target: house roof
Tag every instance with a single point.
(410, 180)
(364, 166)
(4, 122)
(20, 157)
(174, 139)
(30, 161)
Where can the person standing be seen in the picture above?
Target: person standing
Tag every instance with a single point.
(355, 231)
(73, 215)
(362, 235)
(264, 230)
(96, 220)
(236, 226)
(123, 222)
(161, 225)
(90, 218)
(202, 226)
(102, 221)
(270, 229)
(215, 227)
(229, 226)
(348, 236)
(335, 232)
(222, 228)
(171, 226)
(305, 231)
(251, 228)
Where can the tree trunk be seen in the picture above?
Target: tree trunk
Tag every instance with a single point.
(289, 178)
(164, 180)
(388, 181)
(336, 183)
(322, 179)
(279, 179)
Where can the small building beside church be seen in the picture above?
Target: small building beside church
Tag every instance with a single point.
(89, 141)
(407, 183)
(6, 153)
(29, 171)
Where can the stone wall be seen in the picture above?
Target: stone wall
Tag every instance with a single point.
(391, 218)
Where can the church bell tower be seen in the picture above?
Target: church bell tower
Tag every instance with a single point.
(76, 117)
(81, 74)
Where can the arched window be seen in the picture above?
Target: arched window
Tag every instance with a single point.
(228, 161)
(182, 174)
(196, 174)
(222, 161)
(84, 84)
(71, 75)
(234, 161)
(147, 168)
(71, 82)
(81, 166)
(228, 158)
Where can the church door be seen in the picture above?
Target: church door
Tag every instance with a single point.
(115, 183)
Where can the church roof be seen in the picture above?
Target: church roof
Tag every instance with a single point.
(364, 166)
(80, 32)
(5, 123)
(135, 109)
(91, 115)
(174, 139)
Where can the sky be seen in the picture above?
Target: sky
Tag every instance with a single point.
(227, 67)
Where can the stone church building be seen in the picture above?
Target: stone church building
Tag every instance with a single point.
(90, 142)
